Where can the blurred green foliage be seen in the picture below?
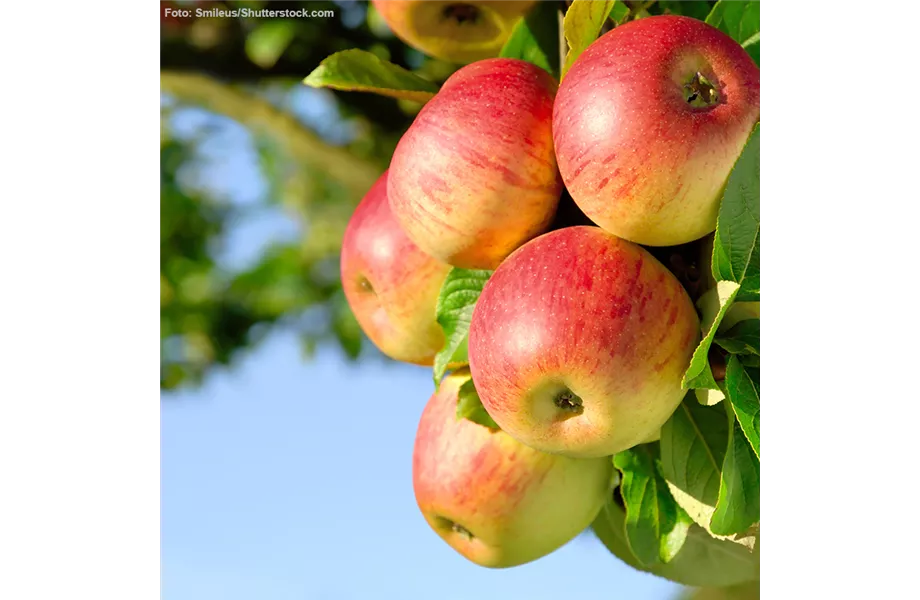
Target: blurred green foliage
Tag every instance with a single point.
(247, 73)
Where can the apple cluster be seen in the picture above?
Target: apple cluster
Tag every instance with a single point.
(580, 337)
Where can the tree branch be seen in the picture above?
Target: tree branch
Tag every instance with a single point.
(355, 174)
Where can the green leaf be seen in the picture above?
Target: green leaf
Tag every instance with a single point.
(583, 22)
(702, 561)
(740, 20)
(535, 38)
(752, 46)
(693, 443)
(456, 302)
(743, 338)
(619, 14)
(739, 311)
(750, 360)
(738, 506)
(736, 249)
(742, 388)
(360, 71)
(697, 9)
(699, 374)
(268, 41)
(469, 406)
(656, 527)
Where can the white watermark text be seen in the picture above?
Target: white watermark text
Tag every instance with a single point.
(247, 13)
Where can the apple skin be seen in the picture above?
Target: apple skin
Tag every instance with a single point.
(391, 286)
(475, 177)
(458, 32)
(639, 160)
(581, 311)
(518, 504)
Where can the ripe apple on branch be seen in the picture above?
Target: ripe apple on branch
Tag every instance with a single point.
(570, 227)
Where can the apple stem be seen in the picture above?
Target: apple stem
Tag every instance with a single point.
(569, 401)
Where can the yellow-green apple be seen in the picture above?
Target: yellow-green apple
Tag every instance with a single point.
(648, 124)
(391, 286)
(459, 32)
(579, 341)
(474, 177)
(494, 500)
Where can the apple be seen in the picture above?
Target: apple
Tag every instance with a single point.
(492, 499)
(458, 32)
(649, 122)
(474, 177)
(579, 341)
(391, 286)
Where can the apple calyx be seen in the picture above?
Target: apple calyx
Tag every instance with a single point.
(461, 530)
(461, 13)
(570, 402)
(456, 528)
(365, 285)
(699, 92)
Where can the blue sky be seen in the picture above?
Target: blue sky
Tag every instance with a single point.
(291, 479)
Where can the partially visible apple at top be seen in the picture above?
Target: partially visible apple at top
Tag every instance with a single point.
(458, 32)
(648, 123)
(475, 176)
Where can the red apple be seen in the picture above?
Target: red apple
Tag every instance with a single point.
(391, 286)
(494, 500)
(454, 31)
(579, 341)
(474, 177)
(648, 123)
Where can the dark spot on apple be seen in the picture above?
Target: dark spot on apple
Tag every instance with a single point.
(699, 92)
(568, 401)
(461, 13)
(365, 285)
